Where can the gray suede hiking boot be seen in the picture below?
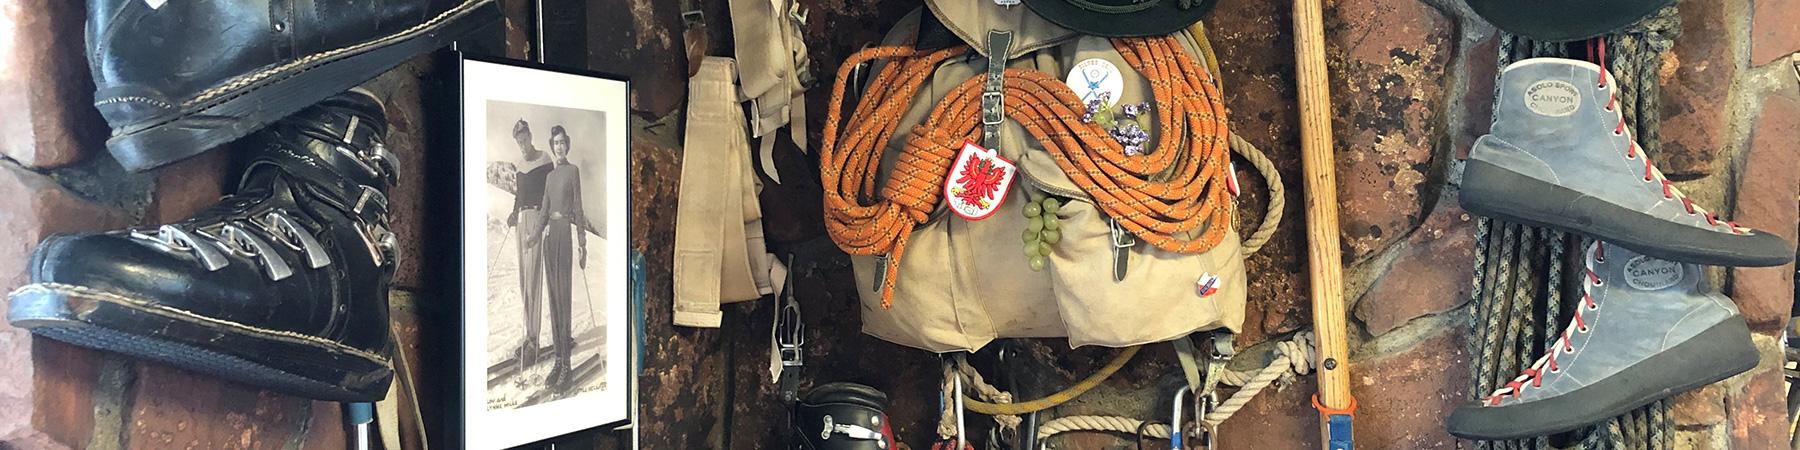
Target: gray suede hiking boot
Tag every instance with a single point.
(1561, 157)
(1644, 329)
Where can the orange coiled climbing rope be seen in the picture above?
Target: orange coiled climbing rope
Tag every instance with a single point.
(1172, 196)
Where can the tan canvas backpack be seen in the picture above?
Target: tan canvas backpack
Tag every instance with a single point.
(962, 283)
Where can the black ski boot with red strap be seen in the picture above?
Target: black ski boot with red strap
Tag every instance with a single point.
(1643, 330)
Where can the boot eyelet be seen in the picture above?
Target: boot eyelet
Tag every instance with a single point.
(1593, 307)
(1583, 329)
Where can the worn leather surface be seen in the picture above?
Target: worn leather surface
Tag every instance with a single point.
(295, 168)
(1578, 151)
(147, 60)
(1630, 324)
(841, 404)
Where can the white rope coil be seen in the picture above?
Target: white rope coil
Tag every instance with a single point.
(1293, 357)
(1101, 423)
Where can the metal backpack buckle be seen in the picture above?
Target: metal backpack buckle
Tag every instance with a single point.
(789, 336)
(1120, 237)
(992, 108)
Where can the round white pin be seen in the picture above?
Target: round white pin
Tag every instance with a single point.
(1094, 78)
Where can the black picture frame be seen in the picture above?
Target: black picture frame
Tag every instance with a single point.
(470, 423)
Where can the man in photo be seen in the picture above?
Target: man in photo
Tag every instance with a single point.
(527, 219)
(562, 207)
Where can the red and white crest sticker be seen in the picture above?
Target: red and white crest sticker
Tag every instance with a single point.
(1208, 285)
(978, 182)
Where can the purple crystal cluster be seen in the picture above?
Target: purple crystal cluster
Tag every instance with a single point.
(1121, 123)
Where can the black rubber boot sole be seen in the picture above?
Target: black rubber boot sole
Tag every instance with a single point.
(1492, 191)
(279, 361)
(1718, 353)
(248, 103)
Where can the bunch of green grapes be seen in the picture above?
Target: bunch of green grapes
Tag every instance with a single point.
(1042, 228)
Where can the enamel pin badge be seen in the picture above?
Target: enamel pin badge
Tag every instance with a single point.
(1208, 284)
(978, 182)
(1096, 79)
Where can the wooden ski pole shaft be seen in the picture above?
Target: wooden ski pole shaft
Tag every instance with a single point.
(1325, 257)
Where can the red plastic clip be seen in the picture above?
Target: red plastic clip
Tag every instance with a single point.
(1351, 411)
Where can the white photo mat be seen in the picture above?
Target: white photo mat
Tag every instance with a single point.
(482, 84)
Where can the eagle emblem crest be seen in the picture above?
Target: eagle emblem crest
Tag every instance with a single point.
(978, 182)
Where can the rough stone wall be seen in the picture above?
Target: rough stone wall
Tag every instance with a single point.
(1412, 83)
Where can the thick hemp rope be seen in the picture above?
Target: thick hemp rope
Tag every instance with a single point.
(1172, 197)
(1293, 357)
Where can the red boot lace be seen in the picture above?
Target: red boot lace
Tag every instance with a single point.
(1598, 48)
(1534, 374)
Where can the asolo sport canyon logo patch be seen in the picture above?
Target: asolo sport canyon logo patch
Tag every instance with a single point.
(1552, 98)
(1649, 274)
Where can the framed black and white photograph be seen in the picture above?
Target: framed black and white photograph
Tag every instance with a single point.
(545, 282)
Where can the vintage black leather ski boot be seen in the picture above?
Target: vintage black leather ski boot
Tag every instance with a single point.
(177, 77)
(841, 416)
(282, 285)
(1644, 329)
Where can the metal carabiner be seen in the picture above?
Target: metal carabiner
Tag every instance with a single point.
(1177, 433)
(1203, 406)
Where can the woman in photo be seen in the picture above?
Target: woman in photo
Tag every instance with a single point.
(562, 208)
(527, 218)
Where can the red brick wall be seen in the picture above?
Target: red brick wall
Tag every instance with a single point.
(1412, 82)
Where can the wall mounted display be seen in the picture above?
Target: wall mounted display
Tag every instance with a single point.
(546, 314)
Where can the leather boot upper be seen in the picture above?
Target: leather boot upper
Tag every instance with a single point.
(153, 58)
(302, 247)
(1557, 120)
(1634, 307)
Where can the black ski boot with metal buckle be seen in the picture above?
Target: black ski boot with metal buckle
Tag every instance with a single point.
(282, 285)
(174, 78)
(841, 416)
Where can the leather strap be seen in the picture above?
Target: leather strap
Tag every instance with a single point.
(362, 202)
(993, 113)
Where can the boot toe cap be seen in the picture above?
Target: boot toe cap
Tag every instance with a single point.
(1767, 249)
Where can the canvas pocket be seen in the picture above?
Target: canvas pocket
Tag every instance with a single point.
(1158, 299)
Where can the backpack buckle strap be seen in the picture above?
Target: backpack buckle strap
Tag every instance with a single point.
(993, 113)
(1122, 242)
